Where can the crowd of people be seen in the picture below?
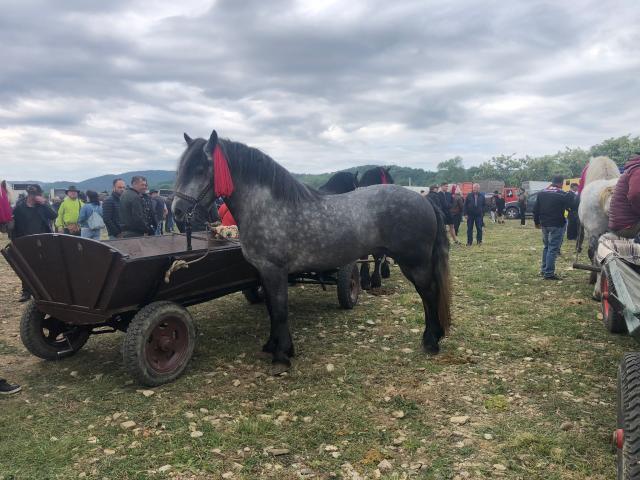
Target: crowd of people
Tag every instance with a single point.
(454, 207)
(127, 212)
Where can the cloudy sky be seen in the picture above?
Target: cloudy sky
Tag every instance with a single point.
(89, 87)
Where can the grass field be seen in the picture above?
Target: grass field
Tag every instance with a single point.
(524, 387)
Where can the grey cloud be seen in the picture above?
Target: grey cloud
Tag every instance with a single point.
(311, 86)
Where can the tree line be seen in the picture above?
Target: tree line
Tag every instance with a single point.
(511, 169)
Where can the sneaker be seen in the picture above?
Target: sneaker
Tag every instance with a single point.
(469, 244)
(8, 389)
(553, 277)
(24, 297)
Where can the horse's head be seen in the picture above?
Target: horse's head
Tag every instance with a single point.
(194, 179)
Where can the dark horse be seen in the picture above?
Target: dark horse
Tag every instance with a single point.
(375, 176)
(340, 182)
(286, 227)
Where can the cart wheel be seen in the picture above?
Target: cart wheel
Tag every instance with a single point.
(385, 271)
(348, 286)
(254, 294)
(627, 441)
(159, 343)
(613, 321)
(49, 338)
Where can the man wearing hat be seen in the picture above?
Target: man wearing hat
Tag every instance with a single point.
(68, 213)
(32, 216)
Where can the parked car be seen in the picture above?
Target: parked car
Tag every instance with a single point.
(512, 210)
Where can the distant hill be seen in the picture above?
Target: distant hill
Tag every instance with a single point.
(166, 178)
(155, 178)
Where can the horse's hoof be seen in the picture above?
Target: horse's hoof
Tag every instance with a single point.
(280, 366)
(269, 347)
(431, 348)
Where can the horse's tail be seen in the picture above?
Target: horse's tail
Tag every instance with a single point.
(441, 279)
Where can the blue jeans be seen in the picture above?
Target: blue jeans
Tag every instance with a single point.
(471, 221)
(88, 233)
(552, 238)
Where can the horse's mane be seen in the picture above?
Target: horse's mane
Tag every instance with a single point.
(339, 182)
(373, 176)
(601, 168)
(257, 168)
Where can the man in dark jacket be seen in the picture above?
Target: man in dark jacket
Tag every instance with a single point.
(548, 214)
(434, 197)
(573, 221)
(624, 212)
(474, 210)
(32, 216)
(159, 210)
(133, 216)
(110, 209)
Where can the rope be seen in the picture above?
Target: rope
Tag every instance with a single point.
(180, 264)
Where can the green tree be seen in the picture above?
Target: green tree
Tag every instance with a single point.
(618, 149)
(451, 171)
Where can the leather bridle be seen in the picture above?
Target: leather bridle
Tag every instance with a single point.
(194, 204)
(194, 201)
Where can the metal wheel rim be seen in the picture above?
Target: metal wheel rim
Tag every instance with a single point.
(355, 284)
(54, 332)
(604, 291)
(167, 345)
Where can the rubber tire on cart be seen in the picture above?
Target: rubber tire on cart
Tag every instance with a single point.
(629, 416)
(254, 294)
(613, 320)
(348, 285)
(49, 338)
(159, 343)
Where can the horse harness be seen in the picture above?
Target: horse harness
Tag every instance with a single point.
(189, 213)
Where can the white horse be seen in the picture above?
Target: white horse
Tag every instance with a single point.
(600, 181)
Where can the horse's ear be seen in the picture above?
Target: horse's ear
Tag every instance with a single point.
(188, 139)
(213, 141)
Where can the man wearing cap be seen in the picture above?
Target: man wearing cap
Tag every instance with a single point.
(32, 216)
(68, 213)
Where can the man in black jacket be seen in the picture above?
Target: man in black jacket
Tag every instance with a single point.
(474, 210)
(32, 216)
(548, 215)
(110, 209)
(133, 215)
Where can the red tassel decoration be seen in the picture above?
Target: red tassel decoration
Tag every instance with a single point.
(383, 176)
(223, 184)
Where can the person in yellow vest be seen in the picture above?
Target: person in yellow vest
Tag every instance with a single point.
(68, 213)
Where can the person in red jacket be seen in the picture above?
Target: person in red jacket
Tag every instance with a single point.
(624, 212)
(225, 216)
